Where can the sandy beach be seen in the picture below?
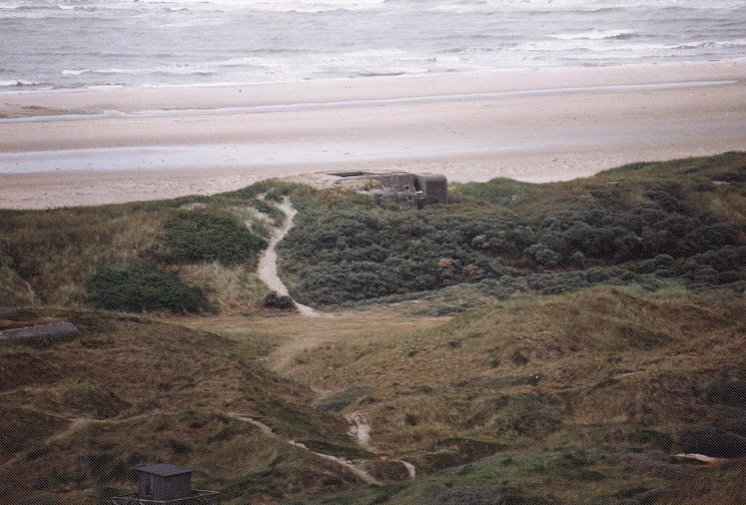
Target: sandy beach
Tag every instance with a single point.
(112, 145)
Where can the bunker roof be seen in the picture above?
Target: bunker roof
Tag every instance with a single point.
(164, 469)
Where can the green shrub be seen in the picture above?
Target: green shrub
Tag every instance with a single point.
(274, 195)
(179, 447)
(275, 301)
(554, 238)
(657, 439)
(519, 357)
(263, 207)
(713, 442)
(140, 286)
(198, 236)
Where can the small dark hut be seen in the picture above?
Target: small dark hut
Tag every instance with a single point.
(164, 482)
(167, 483)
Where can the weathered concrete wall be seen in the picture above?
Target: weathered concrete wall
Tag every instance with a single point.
(405, 188)
(435, 187)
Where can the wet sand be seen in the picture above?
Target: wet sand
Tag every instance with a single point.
(113, 145)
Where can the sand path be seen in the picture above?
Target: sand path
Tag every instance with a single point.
(347, 464)
(267, 269)
(360, 430)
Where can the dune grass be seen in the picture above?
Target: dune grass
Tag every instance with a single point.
(617, 376)
(212, 243)
(79, 415)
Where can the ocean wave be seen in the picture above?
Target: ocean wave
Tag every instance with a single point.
(287, 6)
(163, 71)
(709, 44)
(14, 83)
(391, 73)
(596, 35)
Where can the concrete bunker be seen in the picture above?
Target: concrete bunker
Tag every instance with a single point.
(413, 190)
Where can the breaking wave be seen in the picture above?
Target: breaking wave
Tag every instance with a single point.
(596, 35)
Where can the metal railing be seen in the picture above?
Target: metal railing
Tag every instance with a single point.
(200, 497)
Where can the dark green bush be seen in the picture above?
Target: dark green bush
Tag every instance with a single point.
(139, 286)
(728, 392)
(275, 301)
(263, 207)
(655, 232)
(198, 236)
(655, 438)
(712, 442)
(274, 195)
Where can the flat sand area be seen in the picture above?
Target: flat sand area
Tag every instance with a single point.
(112, 145)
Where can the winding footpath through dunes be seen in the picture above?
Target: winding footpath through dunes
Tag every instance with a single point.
(267, 269)
(359, 427)
(347, 464)
(360, 430)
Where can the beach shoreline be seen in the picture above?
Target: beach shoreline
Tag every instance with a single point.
(89, 147)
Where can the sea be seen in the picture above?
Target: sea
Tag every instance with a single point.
(67, 44)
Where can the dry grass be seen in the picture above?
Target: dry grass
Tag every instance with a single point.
(233, 290)
(585, 346)
(79, 415)
(46, 257)
(722, 485)
(286, 337)
(611, 374)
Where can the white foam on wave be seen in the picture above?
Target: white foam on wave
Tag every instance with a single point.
(703, 44)
(174, 70)
(596, 35)
(117, 5)
(17, 83)
(598, 6)
(302, 6)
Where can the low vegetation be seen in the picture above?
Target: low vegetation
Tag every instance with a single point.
(78, 416)
(551, 344)
(657, 225)
(138, 286)
(275, 301)
(564, 399)
(212, 243)
(199, 236)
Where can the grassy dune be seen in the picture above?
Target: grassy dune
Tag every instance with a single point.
(78, 416)
(615, 379)
(48, 257)
(525, 344)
